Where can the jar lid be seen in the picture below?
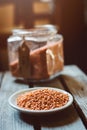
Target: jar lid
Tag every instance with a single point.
(40, 34)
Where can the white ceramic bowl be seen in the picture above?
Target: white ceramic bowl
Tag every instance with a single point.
(13, 103)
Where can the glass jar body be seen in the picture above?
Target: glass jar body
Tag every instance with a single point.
(46, 58)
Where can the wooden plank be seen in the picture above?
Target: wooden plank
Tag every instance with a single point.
(10, 118)
(72, 70)
(75, 81)
(19, 121)
(65, 120)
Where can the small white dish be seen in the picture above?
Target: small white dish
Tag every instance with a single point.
(13, 101)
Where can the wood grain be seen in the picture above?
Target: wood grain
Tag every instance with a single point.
(65, 120)
(75, 81)
(11, 119)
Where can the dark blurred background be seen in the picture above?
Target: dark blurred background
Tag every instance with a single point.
(70, 16)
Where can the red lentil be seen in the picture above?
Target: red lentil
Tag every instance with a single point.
(42, 99)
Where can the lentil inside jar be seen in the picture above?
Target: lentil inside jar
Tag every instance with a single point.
(42, 99)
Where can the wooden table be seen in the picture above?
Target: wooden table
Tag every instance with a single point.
(72, 79)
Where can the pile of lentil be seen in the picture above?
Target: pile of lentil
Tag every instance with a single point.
(42, 99)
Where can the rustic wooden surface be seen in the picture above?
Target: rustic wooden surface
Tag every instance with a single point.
(71, 79)
(76, 82)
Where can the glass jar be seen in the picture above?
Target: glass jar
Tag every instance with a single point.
(36, 54)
